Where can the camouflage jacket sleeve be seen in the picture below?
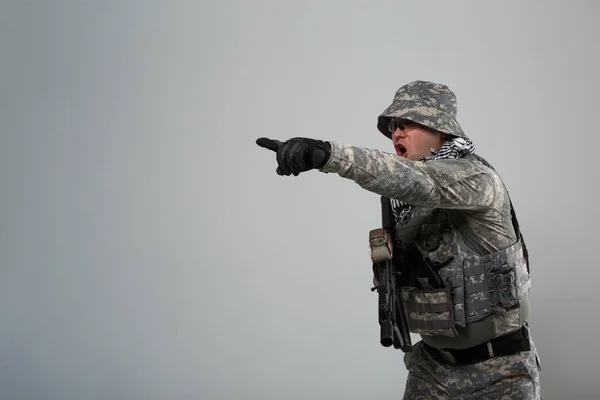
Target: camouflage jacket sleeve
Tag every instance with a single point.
(456, 184)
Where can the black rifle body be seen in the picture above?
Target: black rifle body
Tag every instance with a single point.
(392, 320)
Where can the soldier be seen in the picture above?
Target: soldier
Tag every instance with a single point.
(466, 284)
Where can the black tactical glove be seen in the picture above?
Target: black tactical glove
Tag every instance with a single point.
(297, 154)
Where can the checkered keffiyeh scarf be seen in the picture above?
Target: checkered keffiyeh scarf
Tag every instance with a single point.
(454, 148)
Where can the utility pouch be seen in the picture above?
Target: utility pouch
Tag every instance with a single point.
(429, 311)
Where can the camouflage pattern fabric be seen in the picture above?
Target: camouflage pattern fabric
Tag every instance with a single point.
(473, 193)
(455, 184)
(454, 148)
(477, 196)
(428, 312)
(475, 200)
(431, 377)
(426, 103)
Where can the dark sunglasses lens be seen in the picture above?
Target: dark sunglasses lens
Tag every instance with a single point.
(393, 125)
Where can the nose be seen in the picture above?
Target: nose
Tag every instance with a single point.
(398, 133)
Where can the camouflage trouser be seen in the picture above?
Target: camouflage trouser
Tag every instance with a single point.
(513, 377)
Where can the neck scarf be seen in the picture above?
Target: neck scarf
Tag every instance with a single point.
(452, 149)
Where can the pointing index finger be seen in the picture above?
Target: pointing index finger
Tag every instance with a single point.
(270, 144)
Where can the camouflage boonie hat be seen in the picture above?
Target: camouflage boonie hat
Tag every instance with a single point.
(426, 103)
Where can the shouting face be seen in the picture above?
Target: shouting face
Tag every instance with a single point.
(414, 141)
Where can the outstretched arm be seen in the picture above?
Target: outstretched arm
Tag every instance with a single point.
(457, 184)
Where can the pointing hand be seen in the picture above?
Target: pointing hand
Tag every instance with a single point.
(297, 154)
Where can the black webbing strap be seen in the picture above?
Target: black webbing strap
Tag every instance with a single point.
(506, 345)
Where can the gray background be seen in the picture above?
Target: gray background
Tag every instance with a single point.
(148, 250)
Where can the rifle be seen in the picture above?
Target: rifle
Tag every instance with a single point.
(392, 320)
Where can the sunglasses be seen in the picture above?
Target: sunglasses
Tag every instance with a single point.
(403, 126)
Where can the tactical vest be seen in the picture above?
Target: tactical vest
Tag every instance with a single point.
(445, 284)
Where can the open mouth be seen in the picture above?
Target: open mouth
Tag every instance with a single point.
(400, 150)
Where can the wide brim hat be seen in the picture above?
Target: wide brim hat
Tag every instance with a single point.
(427, 103)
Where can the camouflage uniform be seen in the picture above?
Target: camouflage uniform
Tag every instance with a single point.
(513, 377)
(461, 205)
